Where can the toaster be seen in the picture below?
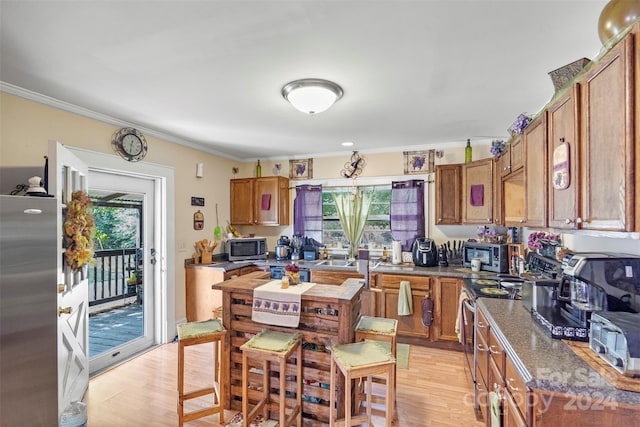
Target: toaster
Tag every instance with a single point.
(424, 252)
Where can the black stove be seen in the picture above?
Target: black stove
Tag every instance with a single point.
(493, 287)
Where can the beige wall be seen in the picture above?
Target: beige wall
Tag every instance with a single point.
(26, 127)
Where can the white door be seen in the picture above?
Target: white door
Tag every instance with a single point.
(68, 174)
(136, 188)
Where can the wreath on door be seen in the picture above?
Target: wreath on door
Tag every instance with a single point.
(79, 230)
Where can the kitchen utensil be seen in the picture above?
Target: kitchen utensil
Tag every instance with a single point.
(217, 232)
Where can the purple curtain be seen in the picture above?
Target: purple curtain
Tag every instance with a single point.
(407, 212)
(307, 212)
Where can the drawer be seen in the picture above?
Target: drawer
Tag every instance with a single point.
(482, 360)
(482, 326)
(392, 281)
(516, 386)
(496, 352)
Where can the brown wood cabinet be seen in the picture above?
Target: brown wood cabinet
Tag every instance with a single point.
(448, 194)
(333, 277)
(260, 201)
(477, 176)
(563, 128)
(608, 150)
(535, 172)
(512, 158)
(203, 303)
(201, 300)
(389, 284)
(446, 294)
(508, 178)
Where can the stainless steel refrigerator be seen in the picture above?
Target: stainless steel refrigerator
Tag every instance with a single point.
(28, 316)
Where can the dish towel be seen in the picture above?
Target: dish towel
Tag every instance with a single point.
(464, 296)
(275, 306)
(405, 300)
(496, 408)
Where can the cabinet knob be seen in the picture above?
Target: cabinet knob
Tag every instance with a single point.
(578, 220)
(439, 219)
(489, 220)
(569, 221)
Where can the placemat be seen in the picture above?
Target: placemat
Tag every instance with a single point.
(275, 306)
(582, 350)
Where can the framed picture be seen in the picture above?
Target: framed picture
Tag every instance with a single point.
(419, 162)
(301, 169)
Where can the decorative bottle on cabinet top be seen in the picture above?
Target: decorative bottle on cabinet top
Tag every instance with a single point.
(258, 170)
(468, 151)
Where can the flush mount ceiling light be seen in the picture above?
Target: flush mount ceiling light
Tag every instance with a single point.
(312, 96)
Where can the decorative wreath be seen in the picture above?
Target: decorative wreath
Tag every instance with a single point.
(79, 229)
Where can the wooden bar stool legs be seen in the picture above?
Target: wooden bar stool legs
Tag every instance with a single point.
(277, 347)
(194, 333)
(361, 361)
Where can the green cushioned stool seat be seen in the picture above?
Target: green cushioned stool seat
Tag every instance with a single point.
(274, 341)
(198, 329)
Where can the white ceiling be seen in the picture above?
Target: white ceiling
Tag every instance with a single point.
(416, 74)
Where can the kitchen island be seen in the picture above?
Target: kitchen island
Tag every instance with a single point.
(329, 314)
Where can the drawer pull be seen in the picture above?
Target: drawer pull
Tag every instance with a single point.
(492, 351)
(481, 325)
(480, 347)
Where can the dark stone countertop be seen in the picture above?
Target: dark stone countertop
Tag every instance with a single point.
(546, 363)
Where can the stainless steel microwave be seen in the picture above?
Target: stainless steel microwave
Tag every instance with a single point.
(493, 256)
(247, 248)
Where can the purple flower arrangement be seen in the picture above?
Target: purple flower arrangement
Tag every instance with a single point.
(538, 239)
(497, 147)
(518, 126)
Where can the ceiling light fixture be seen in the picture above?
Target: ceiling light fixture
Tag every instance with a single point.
(312, 96)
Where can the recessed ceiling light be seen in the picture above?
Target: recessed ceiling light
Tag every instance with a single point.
(347, 144)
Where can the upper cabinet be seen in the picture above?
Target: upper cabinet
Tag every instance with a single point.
(448, 194)
(607, 158)
(535, 173)
(260, 201)
(477, 187)
(509, 197)
(563, 145)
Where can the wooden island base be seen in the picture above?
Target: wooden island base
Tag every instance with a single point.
(329, 316)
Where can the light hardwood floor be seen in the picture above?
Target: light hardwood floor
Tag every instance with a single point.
(436, 390)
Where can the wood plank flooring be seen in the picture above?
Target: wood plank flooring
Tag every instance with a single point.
(436, 390)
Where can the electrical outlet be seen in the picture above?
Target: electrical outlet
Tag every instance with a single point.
(182, 246)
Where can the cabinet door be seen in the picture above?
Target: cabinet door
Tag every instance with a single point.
(504, 162)
(242, 201)
(516, 149)
(389, 284)
(513, 195)
(266, 202)
(201, 300)
(535, 173)
(448, 194)
(511, 415)
(608, 141)
(563, 126)
(446, 297)
(477, 177)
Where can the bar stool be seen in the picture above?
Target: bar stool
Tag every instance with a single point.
(194, 333)
(266, 347)
(358, 361)
(379, 329)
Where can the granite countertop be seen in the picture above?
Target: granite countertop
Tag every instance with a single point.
(546, 363)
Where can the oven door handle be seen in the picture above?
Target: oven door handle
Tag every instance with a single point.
(469, 305)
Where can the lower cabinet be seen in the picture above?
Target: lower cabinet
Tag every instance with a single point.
(446, 296)
(202, 302)
(389, 285)
(333, 277)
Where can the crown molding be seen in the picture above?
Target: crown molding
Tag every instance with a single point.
(104, 118)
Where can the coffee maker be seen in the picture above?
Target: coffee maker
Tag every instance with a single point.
(283, 248)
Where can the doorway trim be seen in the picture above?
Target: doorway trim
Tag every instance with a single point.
(165, 202)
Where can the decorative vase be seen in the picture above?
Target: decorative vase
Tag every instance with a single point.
(616, 16)
(294, 277)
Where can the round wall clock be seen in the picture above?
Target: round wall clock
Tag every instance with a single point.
(130, 144)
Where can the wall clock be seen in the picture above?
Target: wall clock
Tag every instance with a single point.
(130, 144)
